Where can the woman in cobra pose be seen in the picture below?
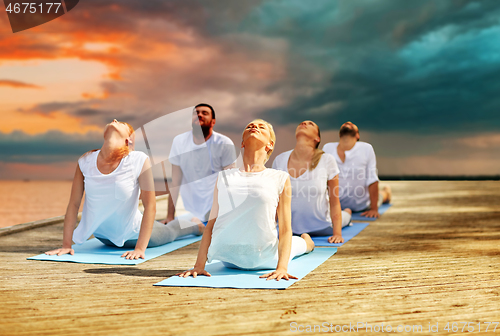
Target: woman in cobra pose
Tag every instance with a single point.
(315, 182)
(242, 229)
(112, 178)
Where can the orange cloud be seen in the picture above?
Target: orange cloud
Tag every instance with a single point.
(484, 141)
(40, 123)
(152, 60)
(18, 84)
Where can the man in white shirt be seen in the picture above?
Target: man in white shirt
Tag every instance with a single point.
(196, 157)
(358, 179)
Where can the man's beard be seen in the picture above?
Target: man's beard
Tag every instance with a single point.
(346, 130)
(205, 130)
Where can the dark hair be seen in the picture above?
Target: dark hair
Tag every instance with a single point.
(206, 105)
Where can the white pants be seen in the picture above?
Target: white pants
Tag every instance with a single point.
(299, 247)
(346, 220)
(163, 233)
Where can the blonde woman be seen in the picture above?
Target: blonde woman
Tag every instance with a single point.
(112, 178)
(315, 182)
(242, 229)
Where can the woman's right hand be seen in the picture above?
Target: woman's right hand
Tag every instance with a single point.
(61, 251)
(278, 275)
(194, 272)
(336, 239)
(167, 220)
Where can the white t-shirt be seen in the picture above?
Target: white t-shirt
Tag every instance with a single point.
(310, 200)
(200, 165)
(357, 172)
(244, 233)
(111, 200)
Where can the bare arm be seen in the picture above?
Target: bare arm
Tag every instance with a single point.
(373, 190)
(371, 173)
(201, 260)
(146, 183)
(285, 226)
(71, 214)
(174, 192)
(335, 210)
(285, 235)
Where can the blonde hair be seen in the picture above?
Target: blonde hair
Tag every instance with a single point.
(118, 153)
(316, 157)
(317, 153)
(271, 133)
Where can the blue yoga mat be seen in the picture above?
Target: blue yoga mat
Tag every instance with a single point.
(381, 210)
(95, 252)
(223, 277)
(348, 233)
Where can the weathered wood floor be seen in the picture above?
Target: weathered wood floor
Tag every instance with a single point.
(434, 257)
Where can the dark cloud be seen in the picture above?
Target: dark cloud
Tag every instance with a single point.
(89, 115)
(53, 146)
(438, 74)
(47, 108)
(435, 104)
(205, 16)
(87, 112)
(419, 74)
(389, 66)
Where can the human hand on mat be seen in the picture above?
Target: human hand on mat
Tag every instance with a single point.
(167, 220)
(278, 275)
(335, 239)
(61, 251)
(371, 214)
(194, 272)
(135, 254)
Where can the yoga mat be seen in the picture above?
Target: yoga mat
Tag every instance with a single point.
(381, 210)
(223, 277)
(348, 233)
(95, 252)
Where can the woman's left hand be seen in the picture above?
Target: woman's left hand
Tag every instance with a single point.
(135, 254)
(335, 239)
(278, 275)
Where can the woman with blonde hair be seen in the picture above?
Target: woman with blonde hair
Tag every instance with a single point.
(242, 230)
(112, 179)
(315, 182)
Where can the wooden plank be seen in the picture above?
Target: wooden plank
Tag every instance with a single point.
(433, 257)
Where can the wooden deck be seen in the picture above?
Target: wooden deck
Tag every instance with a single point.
(434, 257)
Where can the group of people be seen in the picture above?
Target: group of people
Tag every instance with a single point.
(251, 217)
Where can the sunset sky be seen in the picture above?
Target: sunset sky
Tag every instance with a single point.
(421, 79)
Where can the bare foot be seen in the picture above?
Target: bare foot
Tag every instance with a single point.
(309, 242)
(201, 229)
(387, 194)
(349, 211)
